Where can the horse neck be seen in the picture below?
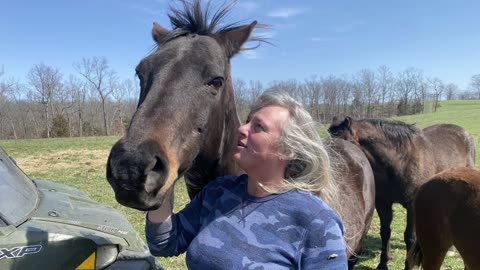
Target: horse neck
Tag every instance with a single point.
(207, 167)
(380, 147)
(231, 123)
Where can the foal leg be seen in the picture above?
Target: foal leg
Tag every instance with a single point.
(433, 230)
(384, 210)
(408, 235)
(434, 255)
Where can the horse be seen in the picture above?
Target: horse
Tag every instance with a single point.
(186, 122)
(356, 184)
(403, 157)
(447, 212)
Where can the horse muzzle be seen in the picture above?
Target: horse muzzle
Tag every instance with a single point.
(137, 176)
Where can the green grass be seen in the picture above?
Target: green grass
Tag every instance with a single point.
(465, 113)
(80, 162)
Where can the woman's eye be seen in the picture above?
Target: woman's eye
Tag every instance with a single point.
(259, 127)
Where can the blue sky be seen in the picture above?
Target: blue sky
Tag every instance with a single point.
(311, 37)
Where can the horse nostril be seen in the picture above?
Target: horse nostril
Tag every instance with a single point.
(156, 176)
(159, 165)
(199, 130)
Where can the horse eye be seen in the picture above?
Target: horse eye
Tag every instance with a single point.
(217, 82)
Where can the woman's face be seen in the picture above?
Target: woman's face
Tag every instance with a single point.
(257, 146)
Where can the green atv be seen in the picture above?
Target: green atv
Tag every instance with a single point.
(45, 225)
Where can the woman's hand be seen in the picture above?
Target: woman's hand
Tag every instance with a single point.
(163, 212)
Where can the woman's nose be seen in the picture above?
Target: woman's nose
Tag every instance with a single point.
(243, 129)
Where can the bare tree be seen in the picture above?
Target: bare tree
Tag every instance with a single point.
(475, 84)
(98, 74)
(46, 81)
(358, 101)
(122, 94)
(437, 87)
(313, 91)
(451, 90)
(331, 92)
(6, 85)
(255, 89)
(407, 87)
(344, 95)
(385, 83)
(467, 95)
(367, 83)
(77, 91)
(241, 98)
(6, 119)
(291, 87)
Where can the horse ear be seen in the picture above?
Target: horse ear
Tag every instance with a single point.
(347, 122)
(233, 39)
(158, 33)
(335, 120)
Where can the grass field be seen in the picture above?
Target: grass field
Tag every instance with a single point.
(80, 162)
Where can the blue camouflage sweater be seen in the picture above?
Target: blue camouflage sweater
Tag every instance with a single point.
(224, 227)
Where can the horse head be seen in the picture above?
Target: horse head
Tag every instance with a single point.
(186, 100)
(342, 128)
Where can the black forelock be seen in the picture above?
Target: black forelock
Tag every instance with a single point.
(192, 17)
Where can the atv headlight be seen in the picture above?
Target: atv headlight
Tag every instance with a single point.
(106, 255)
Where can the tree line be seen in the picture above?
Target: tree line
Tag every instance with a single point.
(95, 101)
(367, 94)
(92, 102)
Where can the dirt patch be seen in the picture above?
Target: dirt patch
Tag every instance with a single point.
(68, 159)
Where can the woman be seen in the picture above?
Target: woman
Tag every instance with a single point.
(272, 217)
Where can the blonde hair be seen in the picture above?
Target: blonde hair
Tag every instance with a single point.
(309, 166)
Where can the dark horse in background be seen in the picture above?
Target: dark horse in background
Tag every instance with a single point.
(403, 157)
(186, 123)
(447, 212)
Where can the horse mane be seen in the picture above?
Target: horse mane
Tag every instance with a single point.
(192, 18)
(398, 132)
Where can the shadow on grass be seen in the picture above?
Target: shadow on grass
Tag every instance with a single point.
(374, 243)
(370, 254)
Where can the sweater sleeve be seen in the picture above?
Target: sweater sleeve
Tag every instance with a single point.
(324, 246)
(173, 236)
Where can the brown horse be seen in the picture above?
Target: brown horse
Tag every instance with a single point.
(356, 186)
(447, 212)
(403, 157)
(186, 122)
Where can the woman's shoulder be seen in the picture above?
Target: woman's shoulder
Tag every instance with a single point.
(311, 206)
(308, 199)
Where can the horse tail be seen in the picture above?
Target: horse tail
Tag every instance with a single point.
(415, 256)
(474, 154)
(472, 150)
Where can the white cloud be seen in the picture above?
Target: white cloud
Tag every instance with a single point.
(250, 54)
(248, 6)
(147, 9)
(266, 34)
(285, 12)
